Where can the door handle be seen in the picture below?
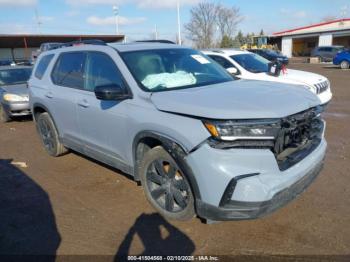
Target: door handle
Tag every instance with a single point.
(49, 94)
(84, 103)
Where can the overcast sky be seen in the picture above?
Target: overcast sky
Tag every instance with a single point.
(139, 17)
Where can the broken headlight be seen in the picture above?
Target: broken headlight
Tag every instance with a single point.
(234, 130)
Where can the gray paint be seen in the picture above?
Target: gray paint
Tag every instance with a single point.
(106, 130)
(240, 99)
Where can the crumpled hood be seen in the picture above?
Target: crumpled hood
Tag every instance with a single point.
(20, 89)
(240, 99)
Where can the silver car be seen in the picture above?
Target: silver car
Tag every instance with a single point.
(199, 141)
(326, 53)
(14, 100)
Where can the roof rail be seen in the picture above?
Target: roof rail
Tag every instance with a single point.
(214, 50)
(83, 42)
(156, 41)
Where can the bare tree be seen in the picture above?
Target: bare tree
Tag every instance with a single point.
(227, 20)
(201, 28)
(328, 18)
(209, 21)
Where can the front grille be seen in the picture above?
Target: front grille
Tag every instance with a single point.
(300, 134)
(322, 86)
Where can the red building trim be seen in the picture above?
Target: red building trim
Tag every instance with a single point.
(311, 26)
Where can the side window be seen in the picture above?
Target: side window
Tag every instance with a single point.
(101, 70)
(221, 61)
(43, 64)
(69, 70)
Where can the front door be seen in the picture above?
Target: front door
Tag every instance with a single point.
(102, 123)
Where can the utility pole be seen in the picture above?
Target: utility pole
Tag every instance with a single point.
(343, 14)
(155, 32)
(178, 23)
(116, 17)
(37, 18)
(344, 11)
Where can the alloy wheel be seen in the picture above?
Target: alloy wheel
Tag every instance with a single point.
(47, 135)
(344, 65)
(167, 186)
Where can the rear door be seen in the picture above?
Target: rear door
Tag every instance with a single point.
(102, 123)
(68, 80)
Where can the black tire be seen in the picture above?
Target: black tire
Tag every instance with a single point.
(49, 135)
(4, 117)
(344, 65)
(165, 185)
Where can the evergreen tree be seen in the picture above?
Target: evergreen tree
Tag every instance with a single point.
(236, 43)
(226, 42)
(240, 38)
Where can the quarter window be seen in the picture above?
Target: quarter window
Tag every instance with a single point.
(101, 71)
(42, 66)
(69, 70)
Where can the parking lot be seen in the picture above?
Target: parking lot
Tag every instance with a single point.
(73, 205)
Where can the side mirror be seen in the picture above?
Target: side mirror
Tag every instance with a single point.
(275, 69)
(232, 70)
(111, 93)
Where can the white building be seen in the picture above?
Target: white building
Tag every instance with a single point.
(300, 41)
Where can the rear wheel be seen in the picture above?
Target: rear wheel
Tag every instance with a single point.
(49, 135)
(344, 65)
(166, 186)
(4, 117)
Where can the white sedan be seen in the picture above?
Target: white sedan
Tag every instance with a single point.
(246, 65)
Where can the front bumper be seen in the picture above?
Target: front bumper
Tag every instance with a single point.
(239, 210)
(17, 108)
(259, 187)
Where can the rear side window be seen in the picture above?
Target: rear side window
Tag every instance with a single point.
(101, 71)
(42, 66)
(69, 70)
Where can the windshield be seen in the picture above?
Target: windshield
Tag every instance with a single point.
(14, 76)
(167, 69)
(252, 62)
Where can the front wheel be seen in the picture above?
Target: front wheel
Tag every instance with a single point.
(165, 185)
(49, 135)
(344, 65)
(4, 117)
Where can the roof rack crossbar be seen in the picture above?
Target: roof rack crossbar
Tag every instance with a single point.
(83, 42)
(156, 41)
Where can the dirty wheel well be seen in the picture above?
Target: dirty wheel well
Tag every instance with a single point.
(143, 146)
(37, 111)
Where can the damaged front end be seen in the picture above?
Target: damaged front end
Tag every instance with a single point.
(300, 134)
(291, 138)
